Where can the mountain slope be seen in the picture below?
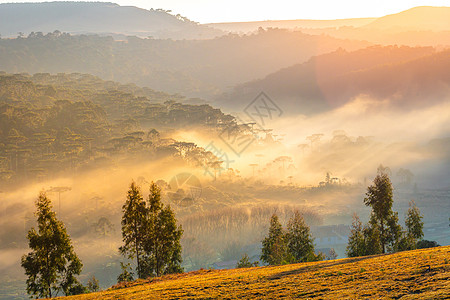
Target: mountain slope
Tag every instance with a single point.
(417, 18)
(97, 17)
(419, 274)
(407, 76)
(189, 67)
(290, 24)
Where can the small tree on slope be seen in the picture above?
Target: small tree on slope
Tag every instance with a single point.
(300, 243)
(52, 265)
(274, 248)
(134, 226)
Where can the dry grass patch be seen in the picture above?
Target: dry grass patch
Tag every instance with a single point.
(419, 274)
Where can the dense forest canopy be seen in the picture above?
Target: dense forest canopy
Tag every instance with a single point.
(190, 67)
(98, 17)
(54, 122)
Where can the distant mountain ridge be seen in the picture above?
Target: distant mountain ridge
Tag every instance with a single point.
(407, 77)
(290, 24)
(97, 17)
(416, 18)
(195, 68)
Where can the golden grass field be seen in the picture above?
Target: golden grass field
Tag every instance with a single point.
(418, 274)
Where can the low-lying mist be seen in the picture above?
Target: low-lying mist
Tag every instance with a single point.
(320, 165)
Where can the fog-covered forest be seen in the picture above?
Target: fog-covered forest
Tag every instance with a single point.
(232, 123)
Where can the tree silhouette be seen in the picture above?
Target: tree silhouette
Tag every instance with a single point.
(52, 265)
(134, 226)
(379, 196)
(274, 245)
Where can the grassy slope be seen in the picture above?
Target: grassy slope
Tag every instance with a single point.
(419, 274)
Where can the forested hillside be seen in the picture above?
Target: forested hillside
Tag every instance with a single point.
(404, 76)
(98, 17)
(190, 67)
(54, 123)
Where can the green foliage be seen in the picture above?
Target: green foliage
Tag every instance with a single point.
(372, 238)
(379, 196)
(52, 265)
(162, 244)
(356, 242)
(93, 284)
(383, 232)
(274, 246)
(332, 254)
(126, 275)
(413, 222)
(50, 123)
(300, 243)
(426, 244)
(151, 234)
(245, 262)
(134, 226)
(289, 246)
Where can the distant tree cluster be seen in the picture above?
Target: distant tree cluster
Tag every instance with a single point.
(50, 123)
(290, 245)
(150, 234)
(383, 233)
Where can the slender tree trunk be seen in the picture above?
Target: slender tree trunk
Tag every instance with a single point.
(48, 279)
(157, 260)
(382, 239)
(136, 248)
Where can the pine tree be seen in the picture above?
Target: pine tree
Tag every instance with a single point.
(300, 244)
(162, 245)
(372, 238)
(380, 197)
(52, 265)
(413, 222)
(414, 228)
(274, 248)
(93, 284)
(134, 226)
(126, 275)
(356, 244)
(245, 262)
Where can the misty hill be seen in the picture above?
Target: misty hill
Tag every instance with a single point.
(407, 77)
(417, 18)
(97, 17)
(422, 274)
(290, 24)
(54, 123)
(419, 26)
(189, 67)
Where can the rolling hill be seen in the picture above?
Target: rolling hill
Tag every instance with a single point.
(419, 274)
(407, 77)
(197, 68)
(418, 26)
(99, 18)
(417, 18)
(290, 24)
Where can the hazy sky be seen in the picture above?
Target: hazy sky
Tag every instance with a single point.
(205, 11)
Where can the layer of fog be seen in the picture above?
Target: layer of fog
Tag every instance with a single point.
(357, 138)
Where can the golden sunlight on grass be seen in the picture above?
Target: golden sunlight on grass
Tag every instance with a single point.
(419, 274)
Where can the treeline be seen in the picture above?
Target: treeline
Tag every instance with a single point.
(227, 233)
(189, 67)
(404, 75)
(383, 233)
(151, 235)
(72, 121)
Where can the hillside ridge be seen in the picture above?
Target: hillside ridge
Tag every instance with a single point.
(418, 274)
